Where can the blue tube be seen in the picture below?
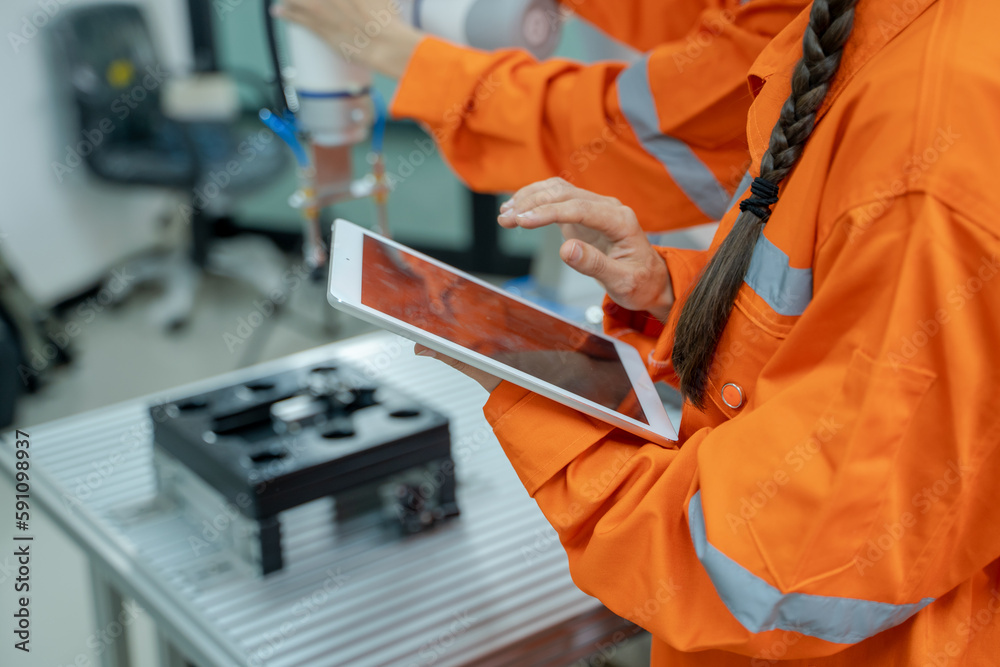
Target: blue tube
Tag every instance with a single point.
(285, 129)
(381, 117)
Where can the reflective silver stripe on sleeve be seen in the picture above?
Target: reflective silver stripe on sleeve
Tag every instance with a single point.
(685, 168)
(698, 237)
(760, 607)
(786, 290)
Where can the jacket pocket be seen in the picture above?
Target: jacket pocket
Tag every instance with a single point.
(864, 427)
(744, 349)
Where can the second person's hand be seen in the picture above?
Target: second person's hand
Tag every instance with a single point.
(368, 32)
(604, 241)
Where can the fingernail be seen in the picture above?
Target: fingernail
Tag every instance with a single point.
(575, 253)
(528, 215)
(423, 353)
(507, 205)
(506, 215)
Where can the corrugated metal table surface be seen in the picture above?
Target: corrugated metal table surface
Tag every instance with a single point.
(491, 587)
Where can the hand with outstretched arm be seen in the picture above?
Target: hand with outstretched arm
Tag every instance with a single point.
(604, 241)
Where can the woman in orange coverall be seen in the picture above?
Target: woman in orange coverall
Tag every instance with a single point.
(664, 135)
(832, 498)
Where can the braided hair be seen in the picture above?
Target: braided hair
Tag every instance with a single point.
(707, 309)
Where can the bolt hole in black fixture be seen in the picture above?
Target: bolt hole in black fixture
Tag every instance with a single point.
(192, 405)
(338, 427)
(260, 387)
(405, 413)
(268, 456)
(324, 369)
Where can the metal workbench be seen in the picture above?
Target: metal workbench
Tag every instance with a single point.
(491, 587)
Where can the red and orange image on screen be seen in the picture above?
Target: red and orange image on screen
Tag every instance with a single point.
(431, 298)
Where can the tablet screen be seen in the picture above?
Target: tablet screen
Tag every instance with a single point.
(431, 298)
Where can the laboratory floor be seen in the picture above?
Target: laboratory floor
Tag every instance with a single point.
(121, 354)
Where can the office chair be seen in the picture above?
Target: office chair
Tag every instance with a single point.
(116, 81)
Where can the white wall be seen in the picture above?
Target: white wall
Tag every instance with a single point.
(60, 237)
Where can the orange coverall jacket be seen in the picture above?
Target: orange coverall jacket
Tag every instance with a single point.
(842, 508)
(663, 135)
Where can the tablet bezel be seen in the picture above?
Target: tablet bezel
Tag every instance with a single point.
(344, 293)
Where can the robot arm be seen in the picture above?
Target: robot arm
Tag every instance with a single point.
(332, 92)
(490, 24)
(330, 96)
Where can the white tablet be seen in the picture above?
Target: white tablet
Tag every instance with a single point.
(396, 288)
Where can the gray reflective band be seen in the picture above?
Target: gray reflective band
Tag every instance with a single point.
(786, 290)
(760, 607)
(685, 168)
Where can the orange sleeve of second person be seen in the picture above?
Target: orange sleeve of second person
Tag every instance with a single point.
(666, 135)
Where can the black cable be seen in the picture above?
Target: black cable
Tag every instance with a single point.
(272, 42)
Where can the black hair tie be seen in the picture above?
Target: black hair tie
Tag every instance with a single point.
(764, 194)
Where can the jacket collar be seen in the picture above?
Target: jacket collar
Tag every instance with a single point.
(876, 23)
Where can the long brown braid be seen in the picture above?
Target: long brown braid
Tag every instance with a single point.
(707, 309)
